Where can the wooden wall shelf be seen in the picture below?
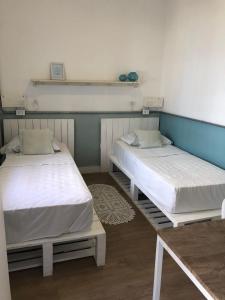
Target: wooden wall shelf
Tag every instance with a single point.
(37, 82)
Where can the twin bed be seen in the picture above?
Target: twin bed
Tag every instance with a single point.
(176, 180)
(171, 187)
(43, 196)
(47, 206)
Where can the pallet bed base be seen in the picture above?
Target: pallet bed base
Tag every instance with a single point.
(46, 252)
(154, 212)
(150, 211)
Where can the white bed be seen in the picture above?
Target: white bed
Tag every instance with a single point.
(48, 208)
(43, 196)
(176, 180)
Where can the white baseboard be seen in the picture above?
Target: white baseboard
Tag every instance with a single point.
(90, 169)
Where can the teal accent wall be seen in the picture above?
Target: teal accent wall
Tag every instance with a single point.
(202, 139)
(87, 131)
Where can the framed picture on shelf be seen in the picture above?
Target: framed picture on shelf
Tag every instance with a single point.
(57, 71)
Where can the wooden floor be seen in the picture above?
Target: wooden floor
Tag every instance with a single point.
(128, 273)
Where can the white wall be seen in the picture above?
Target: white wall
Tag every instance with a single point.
(194, 59)
(4, 275)
(96, 39)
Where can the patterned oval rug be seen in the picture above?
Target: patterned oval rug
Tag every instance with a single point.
(110, 206)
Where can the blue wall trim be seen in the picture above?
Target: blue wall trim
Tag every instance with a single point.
(202, 139)
(87, 130)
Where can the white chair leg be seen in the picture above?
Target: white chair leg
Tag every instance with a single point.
(47, 259)
(133, 191)
(100, 250)
(158, 270)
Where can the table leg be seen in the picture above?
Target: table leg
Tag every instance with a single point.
(158, 270)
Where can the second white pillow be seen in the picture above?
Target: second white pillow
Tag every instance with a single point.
(149, 138)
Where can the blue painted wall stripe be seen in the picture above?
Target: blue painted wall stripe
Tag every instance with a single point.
(202, 139)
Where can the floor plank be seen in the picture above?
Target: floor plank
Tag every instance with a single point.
(128, 273)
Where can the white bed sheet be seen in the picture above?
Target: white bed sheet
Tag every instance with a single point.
(177, 180)
(43, 196)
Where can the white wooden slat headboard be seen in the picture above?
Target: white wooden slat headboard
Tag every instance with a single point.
(63, 129)
(112, 129)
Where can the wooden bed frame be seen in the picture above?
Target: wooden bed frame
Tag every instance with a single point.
(45, 252)
(149, 207)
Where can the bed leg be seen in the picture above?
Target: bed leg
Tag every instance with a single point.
(100, 250)
(47, 259)
(133, 191)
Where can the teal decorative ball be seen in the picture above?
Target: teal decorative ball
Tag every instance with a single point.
(123, 77)
(132, 76)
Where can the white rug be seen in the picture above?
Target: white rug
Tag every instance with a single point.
(110, 206)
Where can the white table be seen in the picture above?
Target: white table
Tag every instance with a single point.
(199, 250)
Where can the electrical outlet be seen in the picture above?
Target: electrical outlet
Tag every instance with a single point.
(145, 111)
(20, 112)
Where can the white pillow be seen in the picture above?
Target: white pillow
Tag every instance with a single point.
(37, 141)
(15, 145)
(12, 147)
(165, 140)
(130, 139)
(148, 138)
(55, 142)
(35, 129)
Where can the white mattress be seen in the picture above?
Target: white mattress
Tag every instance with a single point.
(43, 196)
(177, 180)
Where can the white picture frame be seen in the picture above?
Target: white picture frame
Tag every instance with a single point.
(57, 71)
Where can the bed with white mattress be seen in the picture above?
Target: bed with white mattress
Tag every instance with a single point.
(185, 188)
(176, 180)
(48, 209)
(43, 196)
